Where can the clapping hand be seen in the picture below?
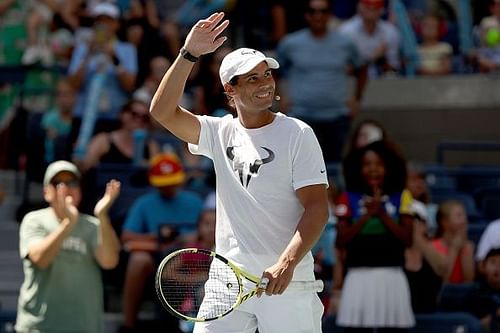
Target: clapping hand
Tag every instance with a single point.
(373, 204)
(110, 195)
(65, 204)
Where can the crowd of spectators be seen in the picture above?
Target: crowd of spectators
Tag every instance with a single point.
(106, 59)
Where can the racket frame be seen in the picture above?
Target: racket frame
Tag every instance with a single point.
(239, 273)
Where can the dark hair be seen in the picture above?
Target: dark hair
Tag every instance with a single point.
(394, 163)
(492, 253)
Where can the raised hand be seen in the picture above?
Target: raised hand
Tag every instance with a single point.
(204, 35)
(110, 195)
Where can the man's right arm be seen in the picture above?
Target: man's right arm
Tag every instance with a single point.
(202, 39)
(165, 104)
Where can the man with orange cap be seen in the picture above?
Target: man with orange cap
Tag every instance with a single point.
(167, 205)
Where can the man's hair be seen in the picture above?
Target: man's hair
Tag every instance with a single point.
(492, 253)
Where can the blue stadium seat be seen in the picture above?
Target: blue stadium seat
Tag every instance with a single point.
(7, 321)
(450, 322)
(488, 200)
(475, 230)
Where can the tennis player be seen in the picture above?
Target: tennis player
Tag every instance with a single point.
(271, 182)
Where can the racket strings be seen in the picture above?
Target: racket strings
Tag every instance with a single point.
(199, 286)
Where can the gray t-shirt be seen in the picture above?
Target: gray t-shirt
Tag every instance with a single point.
(316, 73)
(67, 296)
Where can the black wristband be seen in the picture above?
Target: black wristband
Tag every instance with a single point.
(188, 56)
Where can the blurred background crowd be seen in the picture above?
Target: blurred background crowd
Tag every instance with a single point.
(77, 78)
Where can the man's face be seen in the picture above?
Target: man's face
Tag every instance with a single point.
(317, 15)
(70, 184)
(491, 271)
(370, 13)
(255, 90)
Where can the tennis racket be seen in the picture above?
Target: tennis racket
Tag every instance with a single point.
(200, 285)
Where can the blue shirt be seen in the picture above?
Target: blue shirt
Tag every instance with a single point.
(113, 97)
(152, 210)
(316, 71)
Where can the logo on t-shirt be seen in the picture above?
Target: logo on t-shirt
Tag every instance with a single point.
(245, 164)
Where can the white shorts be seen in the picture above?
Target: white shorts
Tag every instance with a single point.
(375, 297)
(292, 312)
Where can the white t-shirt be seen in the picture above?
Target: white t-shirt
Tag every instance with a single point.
(258, 171)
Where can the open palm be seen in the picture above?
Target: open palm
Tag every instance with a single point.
(110, 195)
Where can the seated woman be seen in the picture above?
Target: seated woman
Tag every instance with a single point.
(424, 266)
(451, 240)
(119, 146)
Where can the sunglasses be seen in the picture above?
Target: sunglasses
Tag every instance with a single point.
(68, 183)
(139, 115)
(318, 10)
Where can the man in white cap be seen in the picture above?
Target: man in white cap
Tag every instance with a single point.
(271, 182)
(62, 252)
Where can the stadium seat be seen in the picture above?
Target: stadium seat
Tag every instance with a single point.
(450, 322)
(488, 201)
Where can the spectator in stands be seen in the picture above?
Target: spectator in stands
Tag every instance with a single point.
(489, 30)
(57, 122)
(422, 203)
(318, 92)
(13, 17)
(38, 28)
(158, 66)
(377, 41)
(204, 237)
(435, 55)
(62, 251)
(118, 146)
(424, 265)
(374, 227)
(489, 239)
(169, 29)
(208, 94)
(168, 210)
(366, 132)
(451, 241)
(484, 300)
(104, 54)
(140, 26)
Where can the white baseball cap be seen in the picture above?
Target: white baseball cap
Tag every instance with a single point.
(242, 61)
(106, 9)
(59, 166)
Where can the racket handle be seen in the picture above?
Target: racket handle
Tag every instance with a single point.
(316, 286)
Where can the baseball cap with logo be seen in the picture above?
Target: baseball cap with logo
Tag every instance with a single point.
(166, 170)
(242, 61)
(59, 166)
(106, 9)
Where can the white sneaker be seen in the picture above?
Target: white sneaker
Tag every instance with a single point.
(31, 55)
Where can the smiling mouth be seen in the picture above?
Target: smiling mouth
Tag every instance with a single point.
(264, 95)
